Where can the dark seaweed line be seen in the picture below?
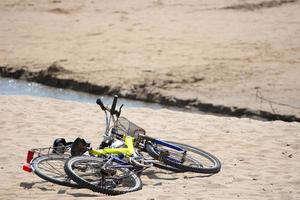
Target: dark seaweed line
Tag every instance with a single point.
(260, 5)
(46, 77)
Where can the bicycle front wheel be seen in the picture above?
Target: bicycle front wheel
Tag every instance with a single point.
(194, 159)
(51, 168)
(91, 173)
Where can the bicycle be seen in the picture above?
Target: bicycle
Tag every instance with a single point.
(169, 155)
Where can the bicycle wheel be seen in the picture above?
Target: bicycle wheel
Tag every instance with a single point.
(51, 168)
(194, 160)
(90, 172)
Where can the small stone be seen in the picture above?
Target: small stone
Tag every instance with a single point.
(158, 184)
(61, 191)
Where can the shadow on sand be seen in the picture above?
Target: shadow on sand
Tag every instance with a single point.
(41, 185)
(166, 175)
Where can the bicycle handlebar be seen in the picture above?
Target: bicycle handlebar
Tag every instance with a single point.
(112, 110)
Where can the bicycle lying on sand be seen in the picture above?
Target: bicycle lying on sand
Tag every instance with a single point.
(123, 154)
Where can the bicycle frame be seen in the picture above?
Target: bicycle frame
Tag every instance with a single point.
(129, 151)
(171, 146)
(161, 142)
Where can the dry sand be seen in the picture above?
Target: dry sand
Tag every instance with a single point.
(216, 51)
(260, 160)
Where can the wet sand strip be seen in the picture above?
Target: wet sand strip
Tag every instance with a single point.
(49, 77)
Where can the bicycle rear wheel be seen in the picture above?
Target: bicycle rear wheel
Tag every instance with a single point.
(51, 168)
(194, 160)
(90, 173)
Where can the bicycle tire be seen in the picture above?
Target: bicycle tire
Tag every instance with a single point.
(154, 150)
(49, 175)
(94, 185)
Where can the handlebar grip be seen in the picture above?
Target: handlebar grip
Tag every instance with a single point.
(113, 106)
(100, 103)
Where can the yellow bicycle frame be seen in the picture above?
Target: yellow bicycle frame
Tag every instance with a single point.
(126, 151)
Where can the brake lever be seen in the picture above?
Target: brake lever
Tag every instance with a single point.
(120, 110)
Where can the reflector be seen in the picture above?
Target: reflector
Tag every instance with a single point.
(27, 168)
(29, 156)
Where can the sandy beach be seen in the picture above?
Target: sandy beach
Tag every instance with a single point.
(260, 160)
(230, 57)
(238, 54)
